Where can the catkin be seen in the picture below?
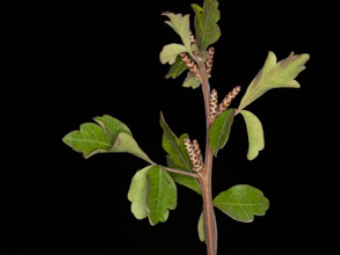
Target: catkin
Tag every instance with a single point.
(191, 65)
(227, 100)
(209, 61)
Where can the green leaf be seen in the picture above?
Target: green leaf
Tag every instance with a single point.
(162, 194)
(110, 135)
(255, 134)
(170, 144)
(206, 28)
(242, 202)
(138, 192)
(176, 68)
(178, 157)
(191, 81)
(275, 75)
(181, 25)
(170, 52)
(92, 139)
(125, 143)
(220, 130)
(200, 228)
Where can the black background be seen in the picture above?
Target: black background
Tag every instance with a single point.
(69, 61)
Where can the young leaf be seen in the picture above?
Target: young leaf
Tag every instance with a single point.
(162, 194)
(242, 202)
(220, 130)
(255, 134)
(181, 26)
(200, 228)
(125, 143)
(176, 68)
(138, 192)
(170, 52)
(191, 81)
(274, 75)
(92, 139)
(178, 157)
(206, 28)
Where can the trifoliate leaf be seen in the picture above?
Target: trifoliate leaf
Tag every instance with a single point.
(162, 194)
(274, 75)
(242, 202)
(255, 134)
(138, 192)
(170, 52)
(220, 130)
(181, 25)
(207, 30)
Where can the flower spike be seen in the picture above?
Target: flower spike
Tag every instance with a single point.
(213, 105)
(191, 65)
(192, 38)
(209, 61)
(196, 147)
(227, 100)
(197, 164)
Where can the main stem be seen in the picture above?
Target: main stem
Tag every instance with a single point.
(206, 174)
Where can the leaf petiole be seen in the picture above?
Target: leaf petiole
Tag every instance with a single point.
(181, 172)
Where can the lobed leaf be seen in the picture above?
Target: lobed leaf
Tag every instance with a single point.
(162, 194)
(138, 192)
(255, 134)
(220, 130)
(206, 28)
(181, 25)
(242, 202)
(274, 75)
(170, 52)
(191, 81)
(178, 157)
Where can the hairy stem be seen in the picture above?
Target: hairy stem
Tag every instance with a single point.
(205, 176)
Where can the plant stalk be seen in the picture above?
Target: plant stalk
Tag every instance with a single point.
(206, 175)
